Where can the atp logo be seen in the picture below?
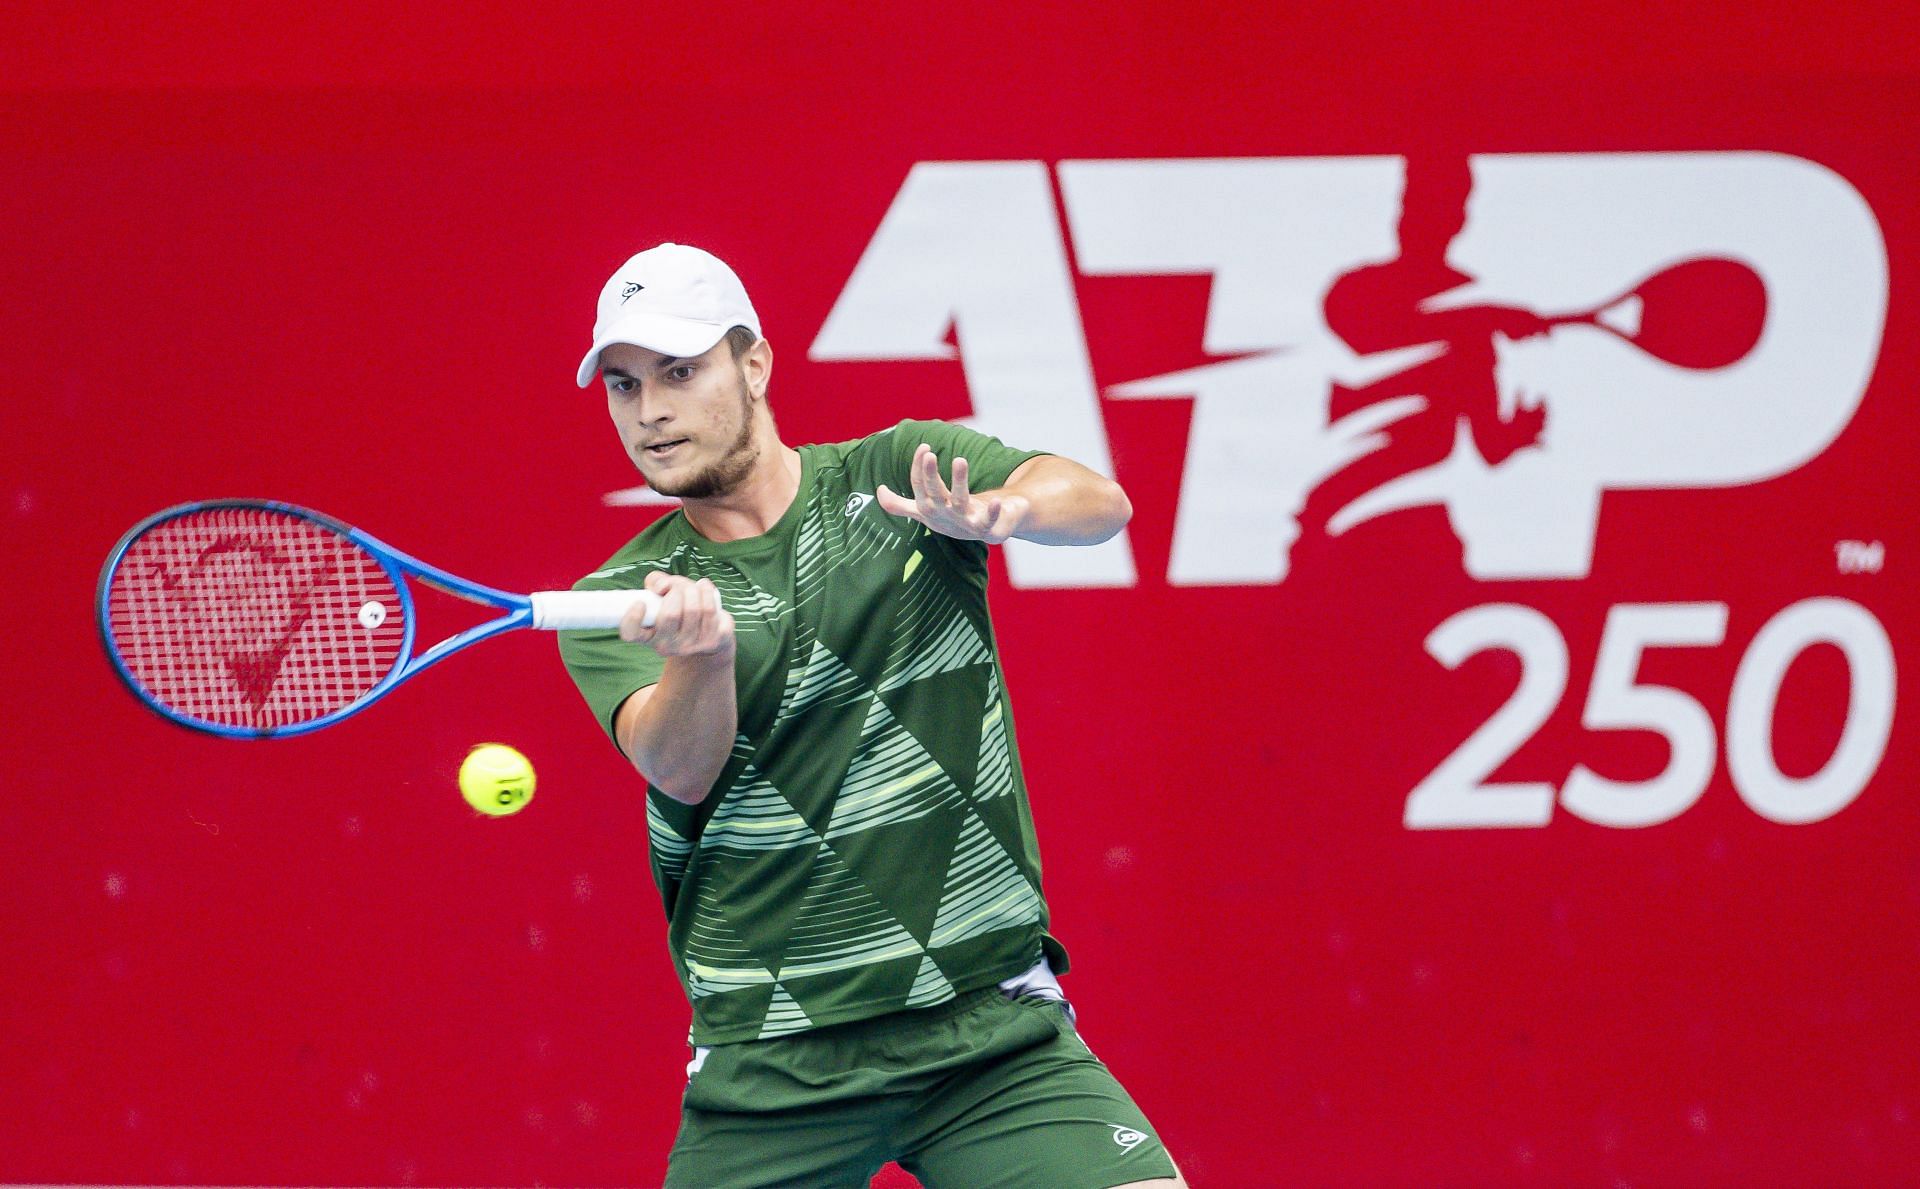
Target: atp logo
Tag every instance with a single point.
(1505, 337)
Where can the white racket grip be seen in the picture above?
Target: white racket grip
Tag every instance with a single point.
(576, 610)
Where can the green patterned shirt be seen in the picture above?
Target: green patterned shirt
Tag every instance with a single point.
(868, 846)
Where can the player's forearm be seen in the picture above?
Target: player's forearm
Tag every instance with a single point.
(1067, 504)
(683, 734)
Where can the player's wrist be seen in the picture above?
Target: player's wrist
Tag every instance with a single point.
(702, 662)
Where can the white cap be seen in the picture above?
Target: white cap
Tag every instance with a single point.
(673, 299)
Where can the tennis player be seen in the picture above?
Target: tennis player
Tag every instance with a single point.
(838, 823)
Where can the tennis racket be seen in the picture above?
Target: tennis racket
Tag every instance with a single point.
(253, 619)
(1701, 314)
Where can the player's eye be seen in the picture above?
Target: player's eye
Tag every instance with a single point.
(682, 373)
(620, 385)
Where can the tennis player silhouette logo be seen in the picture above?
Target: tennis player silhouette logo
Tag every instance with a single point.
(1378, 307)
(1703, 313)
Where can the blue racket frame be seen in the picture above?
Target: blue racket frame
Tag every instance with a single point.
(398, 566)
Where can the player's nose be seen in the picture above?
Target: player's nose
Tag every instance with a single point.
(653, 407)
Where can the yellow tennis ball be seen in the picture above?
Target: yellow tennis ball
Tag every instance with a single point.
(496, 779)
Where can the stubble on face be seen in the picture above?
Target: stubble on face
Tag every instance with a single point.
(726, 473)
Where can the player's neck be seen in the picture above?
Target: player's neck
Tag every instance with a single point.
(756, 505)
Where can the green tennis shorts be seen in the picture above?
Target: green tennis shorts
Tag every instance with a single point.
(981, 1091)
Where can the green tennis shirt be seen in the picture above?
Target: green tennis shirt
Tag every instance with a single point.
(868, 846)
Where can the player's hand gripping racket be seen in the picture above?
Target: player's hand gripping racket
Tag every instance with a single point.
(250, 619)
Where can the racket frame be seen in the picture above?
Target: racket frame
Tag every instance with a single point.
(398, 565)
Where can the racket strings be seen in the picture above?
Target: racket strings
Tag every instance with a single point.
(253, 618)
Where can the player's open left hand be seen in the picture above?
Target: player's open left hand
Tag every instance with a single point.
(956, 511)
(690, 621)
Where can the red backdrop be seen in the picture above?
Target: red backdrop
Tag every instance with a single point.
(349, 260)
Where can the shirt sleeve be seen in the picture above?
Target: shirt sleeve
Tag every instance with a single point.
(990, 461)
(608, 670)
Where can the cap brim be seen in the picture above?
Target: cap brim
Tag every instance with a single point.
(680, 338)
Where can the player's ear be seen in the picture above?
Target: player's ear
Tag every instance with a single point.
(757, 367)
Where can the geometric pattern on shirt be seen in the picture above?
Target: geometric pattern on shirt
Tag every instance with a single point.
(841, 924)
(717, 955)
(993, 776)
(931, 633)
(863, 536)
(930, 986)
(838, 925)
(754, 815)
(811, 561)
(828, 540)
(985, 890)
(823, 679)
(829, 537)
(892, 779)
(751, 607)
(784, 1016)
(669, 849)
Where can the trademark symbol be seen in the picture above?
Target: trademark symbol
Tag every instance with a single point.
(1859, 557)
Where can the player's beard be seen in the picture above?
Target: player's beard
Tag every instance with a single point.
(725, 473)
